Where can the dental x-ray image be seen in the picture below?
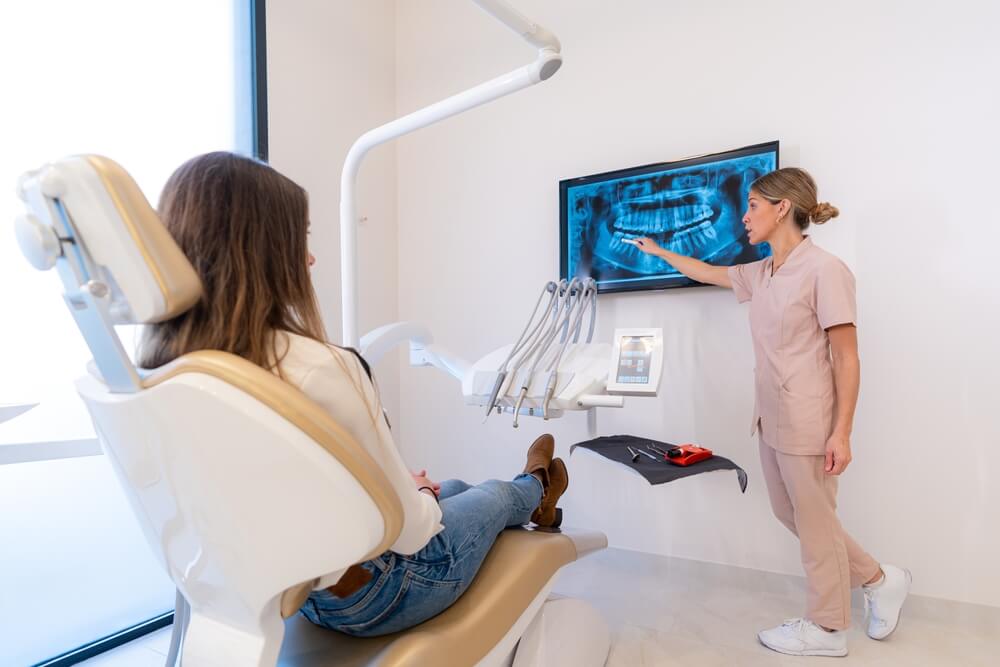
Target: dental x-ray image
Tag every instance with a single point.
(693, 207)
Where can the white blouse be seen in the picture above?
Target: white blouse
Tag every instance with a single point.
(337, 381)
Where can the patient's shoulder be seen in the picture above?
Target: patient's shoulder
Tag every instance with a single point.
(300, 356)
(295, 348)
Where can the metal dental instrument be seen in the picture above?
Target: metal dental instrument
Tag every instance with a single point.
(550, 287)
(634, 453)
(525, 350)
(645, 453)
(540, 350)
(527, 347)
(564, 325)
(658, 450)
(537, 347)
(592, 285)
(585, 299)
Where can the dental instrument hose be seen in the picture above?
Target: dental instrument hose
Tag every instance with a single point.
(561, 323)
(589, 287)
(538, 335)
(508, 370)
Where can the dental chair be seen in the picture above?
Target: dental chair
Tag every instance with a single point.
(249, 494)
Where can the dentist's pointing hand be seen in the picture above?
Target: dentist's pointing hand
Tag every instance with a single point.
(647, 245)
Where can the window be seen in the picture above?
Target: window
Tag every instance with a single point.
(149, 84)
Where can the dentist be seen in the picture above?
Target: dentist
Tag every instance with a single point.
(803, 320)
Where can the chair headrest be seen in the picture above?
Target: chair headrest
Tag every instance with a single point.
(88, 211)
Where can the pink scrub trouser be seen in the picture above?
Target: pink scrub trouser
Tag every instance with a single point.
(804, 498)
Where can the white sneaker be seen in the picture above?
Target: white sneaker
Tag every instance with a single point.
(884, 600)
(800, 636)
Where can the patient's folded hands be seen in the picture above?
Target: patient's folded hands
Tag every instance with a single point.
(422, 481)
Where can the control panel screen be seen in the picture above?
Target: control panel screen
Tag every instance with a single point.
(635, 359)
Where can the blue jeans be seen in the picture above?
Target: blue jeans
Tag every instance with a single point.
(407, 590)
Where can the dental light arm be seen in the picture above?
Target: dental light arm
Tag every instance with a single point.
(532, 33)
(573, 375)
(545, 65)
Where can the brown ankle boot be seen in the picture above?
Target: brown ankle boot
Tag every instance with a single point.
(540, 457)
(548, 515)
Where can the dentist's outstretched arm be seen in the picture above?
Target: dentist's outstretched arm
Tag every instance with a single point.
(689, 266)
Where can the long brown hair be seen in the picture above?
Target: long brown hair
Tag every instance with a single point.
(797, 186)
(244, 227)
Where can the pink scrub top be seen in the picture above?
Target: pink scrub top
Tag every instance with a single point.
(790, 311)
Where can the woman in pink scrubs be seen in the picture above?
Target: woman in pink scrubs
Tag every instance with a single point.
(803, 323)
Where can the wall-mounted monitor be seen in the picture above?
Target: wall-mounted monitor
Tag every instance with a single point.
(693, 207)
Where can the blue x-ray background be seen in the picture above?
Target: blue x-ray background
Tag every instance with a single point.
(693, 210)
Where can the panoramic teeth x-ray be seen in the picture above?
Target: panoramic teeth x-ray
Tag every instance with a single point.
(693, 207)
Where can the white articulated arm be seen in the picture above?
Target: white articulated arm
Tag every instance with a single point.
(531, 32)
(545, 65)
(375, 344)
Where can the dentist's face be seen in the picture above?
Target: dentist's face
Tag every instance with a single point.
(761, 217)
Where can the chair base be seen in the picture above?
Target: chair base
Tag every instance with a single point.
(208, 643)
(565, 633)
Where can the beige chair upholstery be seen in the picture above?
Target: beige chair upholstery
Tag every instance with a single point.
(516, 570)
(297, 408)
(176, 283)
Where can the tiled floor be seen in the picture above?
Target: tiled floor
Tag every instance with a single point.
(669, 611)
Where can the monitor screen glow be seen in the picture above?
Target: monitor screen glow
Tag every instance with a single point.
(693, 207)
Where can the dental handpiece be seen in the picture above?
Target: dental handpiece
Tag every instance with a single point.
(495, 393)
(550, 389)
(524, 340)
(517, 405)
(540, 349)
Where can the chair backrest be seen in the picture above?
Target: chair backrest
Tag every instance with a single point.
(247, 491)
(116, 237)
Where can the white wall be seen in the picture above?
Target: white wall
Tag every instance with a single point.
(331, 77)
(891, 105)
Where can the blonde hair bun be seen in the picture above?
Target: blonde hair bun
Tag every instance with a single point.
(822, 212)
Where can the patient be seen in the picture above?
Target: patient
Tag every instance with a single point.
(244, 227)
